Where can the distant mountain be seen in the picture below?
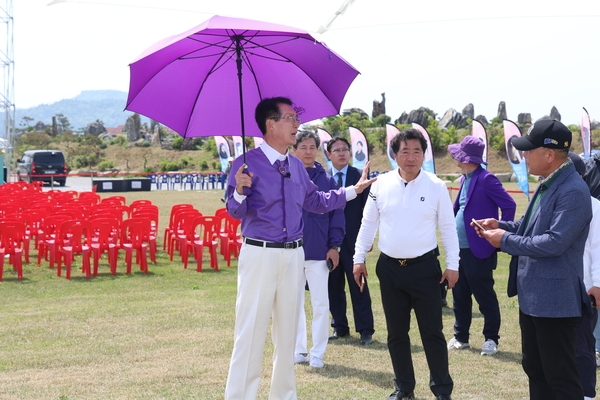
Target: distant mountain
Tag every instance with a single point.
(89, 106)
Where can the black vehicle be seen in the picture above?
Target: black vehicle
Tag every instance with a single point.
(43, 165)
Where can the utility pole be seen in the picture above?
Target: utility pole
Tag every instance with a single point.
(7, 96)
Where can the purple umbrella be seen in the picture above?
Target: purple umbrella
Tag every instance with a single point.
(197, 82)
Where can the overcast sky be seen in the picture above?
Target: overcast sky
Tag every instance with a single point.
(435, 53)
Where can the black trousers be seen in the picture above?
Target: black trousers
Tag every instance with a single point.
(414, 287)
(586, 353)
(361, 302)
(548, 346)
(476, 279)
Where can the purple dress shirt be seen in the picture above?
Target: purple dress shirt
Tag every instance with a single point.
(273, 210)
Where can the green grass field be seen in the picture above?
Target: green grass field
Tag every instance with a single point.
(169, 334)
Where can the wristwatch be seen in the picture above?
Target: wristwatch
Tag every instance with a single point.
(336, 248)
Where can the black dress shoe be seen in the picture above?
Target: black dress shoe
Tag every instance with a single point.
(336, 335)
(443, 397)
(399, 395)
(366, 339)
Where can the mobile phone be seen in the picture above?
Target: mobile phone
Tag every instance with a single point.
(478, 224)
(362, 283)
(329, 263)
(593, 301)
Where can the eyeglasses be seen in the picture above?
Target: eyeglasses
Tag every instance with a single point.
(292, 118)
(339, 151)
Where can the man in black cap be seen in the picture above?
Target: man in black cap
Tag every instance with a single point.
(547, 245)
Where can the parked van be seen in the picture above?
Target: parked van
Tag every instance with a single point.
(43, 165)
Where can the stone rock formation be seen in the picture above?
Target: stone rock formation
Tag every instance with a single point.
(155, 141)
(483, 120)
(502, 111)
(40, 127)
(452, 118)
(554, 114)
(524, 118)
(132, 128)
(379, 106)
(468, 112)
(95, 128)
(418, 116)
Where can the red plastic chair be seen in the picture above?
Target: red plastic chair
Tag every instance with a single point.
(75, 238)
(114, 199)
(12, 242)
(180, 220)
(169, 230)
(49, 237)
(133, 234)
(204, 227)
(234, 238)
(136, 204)
(105, 239)
(92, 196)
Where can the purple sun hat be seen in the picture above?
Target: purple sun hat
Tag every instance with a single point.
(469, 151)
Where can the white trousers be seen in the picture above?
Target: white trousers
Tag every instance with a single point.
(268, 284)
(317, 276)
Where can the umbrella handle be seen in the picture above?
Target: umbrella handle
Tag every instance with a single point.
(246, 191)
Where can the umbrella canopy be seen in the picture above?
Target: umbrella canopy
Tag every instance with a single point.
(199, 82)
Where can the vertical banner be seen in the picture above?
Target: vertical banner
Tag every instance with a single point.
(586, 136)
(238, 146)
(429, 162)
(257, 141)
(515, 157)
(224, 153)
(391, 131)
(324, 137)
(479, 132)
(359, 147)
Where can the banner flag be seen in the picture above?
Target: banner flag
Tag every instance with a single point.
(429, 162)
(586, 136)
(479, 132)
(237, 146)
(515, 157)
(324, 137)
(359, 147)
(224, 153)
(391, 131)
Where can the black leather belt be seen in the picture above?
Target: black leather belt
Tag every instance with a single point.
(405, 262)
(287, 245)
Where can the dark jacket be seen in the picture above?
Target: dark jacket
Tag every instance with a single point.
(353, 211)
(322, 231)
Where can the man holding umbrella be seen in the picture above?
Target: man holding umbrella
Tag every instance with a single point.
(269, 200)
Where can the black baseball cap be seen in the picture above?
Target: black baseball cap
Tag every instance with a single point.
(548, 133)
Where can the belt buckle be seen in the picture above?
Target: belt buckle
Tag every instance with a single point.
(289, 245)
(403, 262)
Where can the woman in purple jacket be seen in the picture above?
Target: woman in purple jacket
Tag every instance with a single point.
(323, 235)
(481, 195)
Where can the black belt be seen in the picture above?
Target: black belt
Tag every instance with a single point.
(287, 245)
(404, 262)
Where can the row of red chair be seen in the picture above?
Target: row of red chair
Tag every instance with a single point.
(64, 224)
(190, 232)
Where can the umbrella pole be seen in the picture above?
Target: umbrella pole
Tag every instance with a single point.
(238, 61)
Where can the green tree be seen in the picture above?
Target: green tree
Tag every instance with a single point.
(381, 120)
(63, 123)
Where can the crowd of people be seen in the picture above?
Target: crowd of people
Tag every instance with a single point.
(305, 227)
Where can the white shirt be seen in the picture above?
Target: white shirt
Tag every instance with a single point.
(591, 253)
(408, 215)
